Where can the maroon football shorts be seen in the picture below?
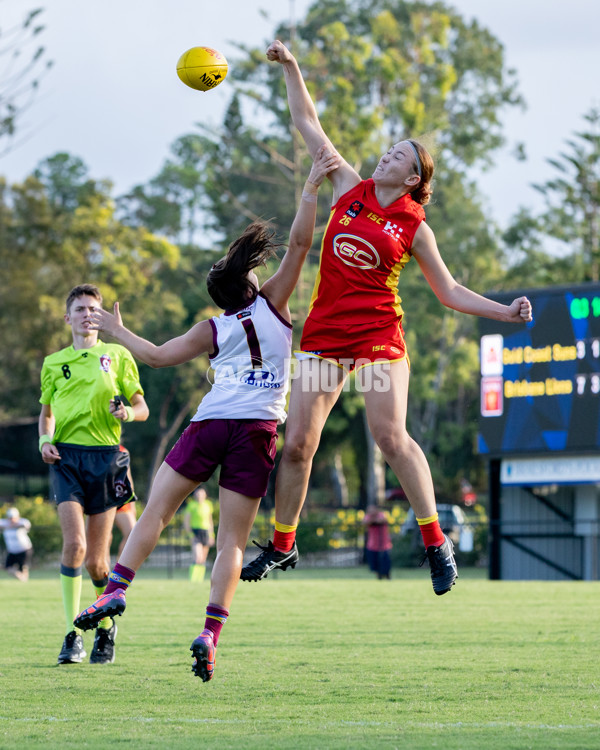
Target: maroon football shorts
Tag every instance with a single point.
(244, 449)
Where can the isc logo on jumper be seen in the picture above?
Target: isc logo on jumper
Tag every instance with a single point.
(355, 252)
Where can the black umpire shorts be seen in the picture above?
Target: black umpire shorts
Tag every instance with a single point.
(201, 536)
(96, 477)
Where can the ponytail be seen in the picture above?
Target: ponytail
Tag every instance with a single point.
(422, 193)
(227, 281)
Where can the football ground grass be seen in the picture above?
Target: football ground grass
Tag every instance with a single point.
(312, 659)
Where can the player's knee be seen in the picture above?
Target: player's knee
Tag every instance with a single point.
(394, 442)
(97, 569)
(73, 552)
(298, 449)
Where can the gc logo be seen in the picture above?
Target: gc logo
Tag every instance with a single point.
(355, 252)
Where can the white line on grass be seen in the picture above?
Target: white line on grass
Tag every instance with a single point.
(404, 725)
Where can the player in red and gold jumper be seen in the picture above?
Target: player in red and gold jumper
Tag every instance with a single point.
(355, 322)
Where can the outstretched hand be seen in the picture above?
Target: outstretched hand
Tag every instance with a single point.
(278, 52)
(102, 320)
(326, 160)
(519, 311)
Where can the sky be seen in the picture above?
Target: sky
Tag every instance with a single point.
(113, 97)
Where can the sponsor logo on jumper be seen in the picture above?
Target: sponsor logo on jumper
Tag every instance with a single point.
(105, 361)
(355, 252)
(243, 314)
(374, 217)
(393, 230)
(355, 208)
(260, 379)
(237, 373)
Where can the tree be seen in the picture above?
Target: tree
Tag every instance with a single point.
(25, 63)
(381, 70)
(172, 202)
(570, 222)
(56, 233)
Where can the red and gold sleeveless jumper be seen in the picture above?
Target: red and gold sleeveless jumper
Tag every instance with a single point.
(355, 311)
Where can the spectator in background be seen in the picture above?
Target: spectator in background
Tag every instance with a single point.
(198, 522)
(378, 543)
(19, 548)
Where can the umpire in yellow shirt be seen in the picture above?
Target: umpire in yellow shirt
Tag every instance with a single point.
(80, 431)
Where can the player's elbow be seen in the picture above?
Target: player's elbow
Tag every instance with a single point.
(450, 296)
(300, 244)
(157, 359)
(153, 362)
(143, 413)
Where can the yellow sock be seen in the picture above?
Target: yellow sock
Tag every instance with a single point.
(197, 573)
(70, 579)
(107, 623)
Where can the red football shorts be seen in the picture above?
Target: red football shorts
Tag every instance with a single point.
(354, 347)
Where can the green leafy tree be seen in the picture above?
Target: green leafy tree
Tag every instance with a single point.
(561, 244)
(382, 70)
(55, 234)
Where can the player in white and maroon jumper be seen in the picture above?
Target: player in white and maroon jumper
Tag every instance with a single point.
(235, 427)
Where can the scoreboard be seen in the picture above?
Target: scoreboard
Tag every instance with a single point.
(540, 381)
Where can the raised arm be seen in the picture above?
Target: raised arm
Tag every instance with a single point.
(305, 117)
(278, 289)
(198, 340)
(456, 296)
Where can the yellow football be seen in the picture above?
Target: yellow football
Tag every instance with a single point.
(202, 68)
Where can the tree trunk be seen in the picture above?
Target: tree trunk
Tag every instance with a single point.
(163, 439)
(167, 429)
(375, 469)
(338, 480)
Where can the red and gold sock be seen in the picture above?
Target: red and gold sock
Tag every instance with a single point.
(284, 537)
(431, 531)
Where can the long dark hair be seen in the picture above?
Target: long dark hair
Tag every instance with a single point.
(227, 281)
